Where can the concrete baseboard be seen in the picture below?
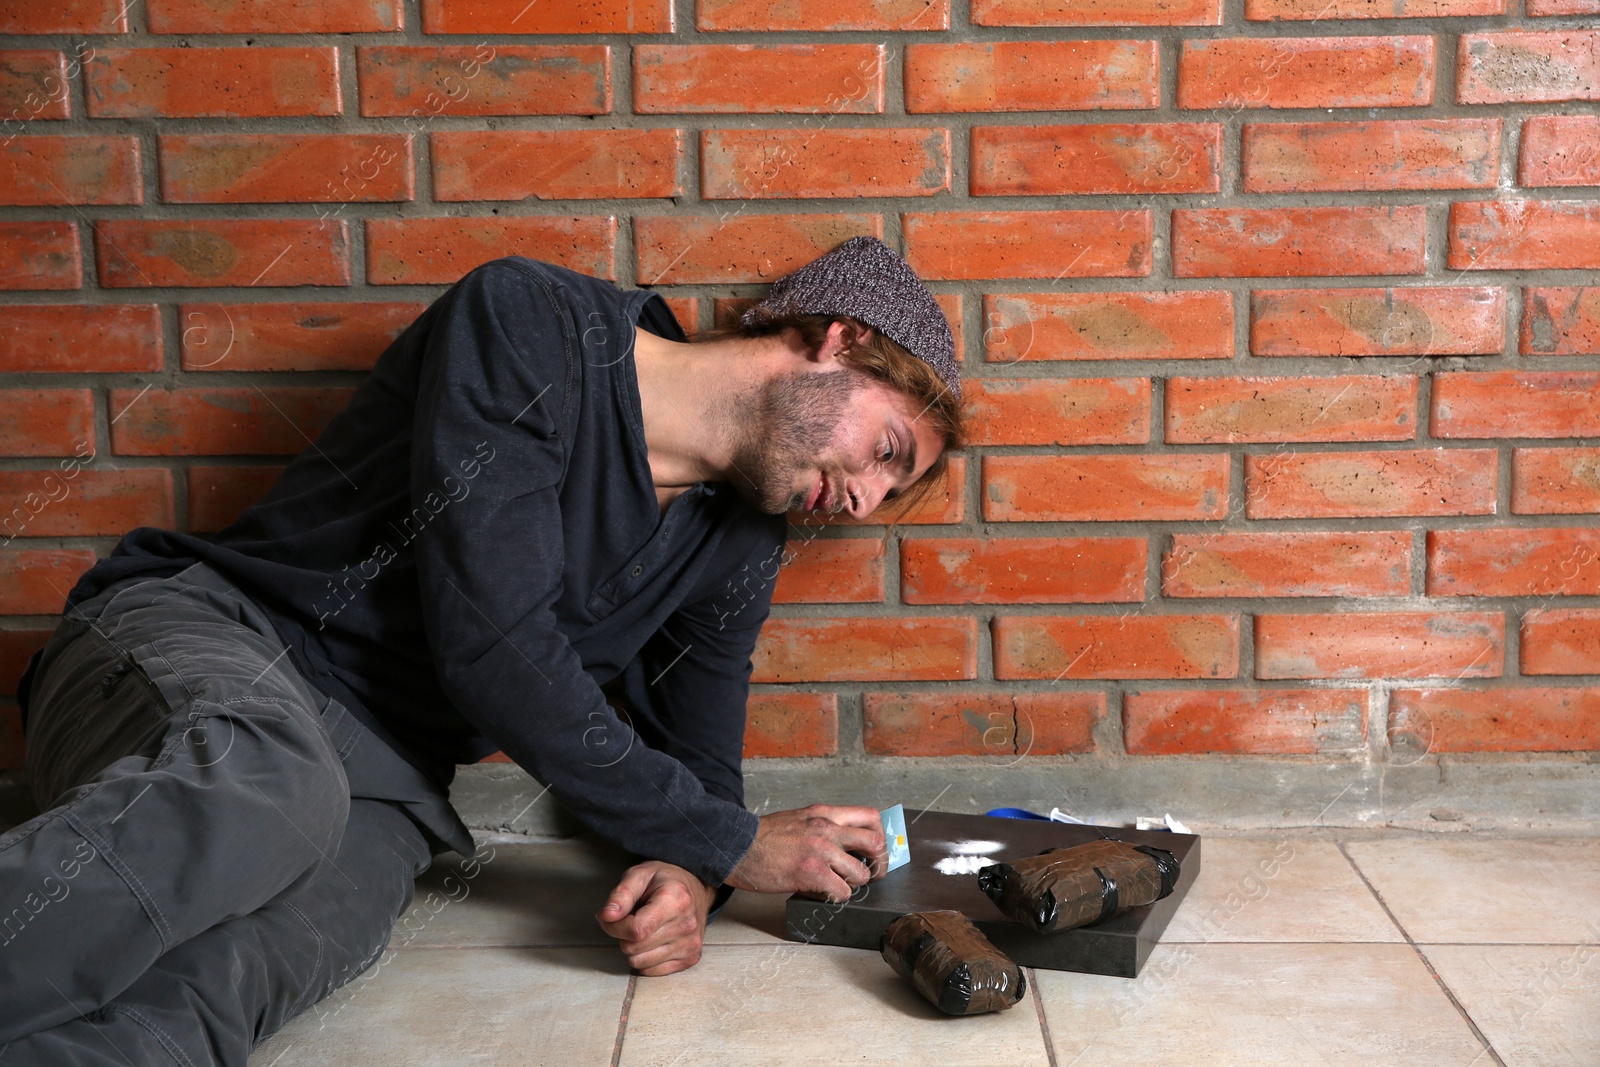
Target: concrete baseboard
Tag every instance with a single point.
(1532, 795)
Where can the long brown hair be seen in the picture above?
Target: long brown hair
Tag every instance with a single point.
(887, 361)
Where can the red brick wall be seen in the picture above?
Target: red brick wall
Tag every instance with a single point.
(1279, 316)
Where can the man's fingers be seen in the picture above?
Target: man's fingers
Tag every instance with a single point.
(653, 922)
(845, 830)
(647, 955)
(668, 929)
(850, 815)
(657, 914)
(669, 959)
(666, 912)
(855, 873)
(804, 850)
(623, 898)
(624, 929)
(869, 869)
(867, 842)
(830, 885)
(639, 927)
(671, 967)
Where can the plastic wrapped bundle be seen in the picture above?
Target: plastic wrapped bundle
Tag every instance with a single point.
(951, 963)
(1067, 887)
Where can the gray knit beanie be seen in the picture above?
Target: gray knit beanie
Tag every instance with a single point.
(866, 280)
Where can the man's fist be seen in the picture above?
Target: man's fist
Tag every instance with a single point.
(658, 913)
(808, 850)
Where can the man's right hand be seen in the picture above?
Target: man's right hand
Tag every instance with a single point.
(807, 850)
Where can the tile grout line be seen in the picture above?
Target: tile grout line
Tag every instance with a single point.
(1430, 944)
(1483, 1039)
(1038, 1007)
(622, 1020)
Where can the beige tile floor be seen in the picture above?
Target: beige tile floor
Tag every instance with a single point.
(1381, 951)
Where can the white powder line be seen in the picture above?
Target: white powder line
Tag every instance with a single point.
(963, 864)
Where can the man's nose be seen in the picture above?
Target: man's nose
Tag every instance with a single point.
(866, 493)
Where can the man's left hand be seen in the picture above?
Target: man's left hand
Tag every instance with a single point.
(658, 914)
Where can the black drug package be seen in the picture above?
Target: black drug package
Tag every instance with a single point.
(951, 963)
(1068, 887)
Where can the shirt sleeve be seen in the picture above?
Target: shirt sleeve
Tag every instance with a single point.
(689, 685)
(688, 688)
(498, 371)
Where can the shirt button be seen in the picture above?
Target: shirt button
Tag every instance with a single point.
(638, 570)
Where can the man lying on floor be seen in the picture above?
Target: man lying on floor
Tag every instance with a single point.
(242, 746)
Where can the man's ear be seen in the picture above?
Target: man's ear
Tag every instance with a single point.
(840, 336)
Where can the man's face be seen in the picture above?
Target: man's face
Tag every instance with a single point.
(832, 439)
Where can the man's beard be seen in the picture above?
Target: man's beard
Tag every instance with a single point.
(796, 416)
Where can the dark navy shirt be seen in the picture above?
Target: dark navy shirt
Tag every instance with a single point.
(474, 547)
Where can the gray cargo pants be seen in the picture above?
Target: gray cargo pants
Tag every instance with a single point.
(200, 873)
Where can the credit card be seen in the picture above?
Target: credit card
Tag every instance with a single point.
(894, 835)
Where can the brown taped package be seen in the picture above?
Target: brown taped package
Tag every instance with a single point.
(951, 963)
(1068, 887)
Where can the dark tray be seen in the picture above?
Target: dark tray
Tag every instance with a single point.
(1118, 947)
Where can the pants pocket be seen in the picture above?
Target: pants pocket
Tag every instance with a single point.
(90, 706)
